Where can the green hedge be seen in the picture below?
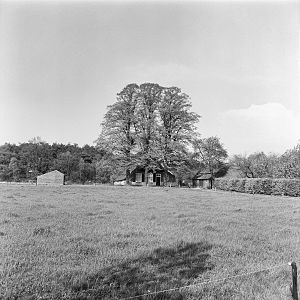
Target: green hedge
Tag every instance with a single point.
(267, 186)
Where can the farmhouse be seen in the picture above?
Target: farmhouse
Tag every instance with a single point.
(203, 180)
(51, 178)
(156, 177)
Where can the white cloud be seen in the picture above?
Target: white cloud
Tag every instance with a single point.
(270, 127)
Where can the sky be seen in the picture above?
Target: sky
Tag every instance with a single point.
(63, 62)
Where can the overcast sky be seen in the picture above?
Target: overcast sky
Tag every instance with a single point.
(62, 63)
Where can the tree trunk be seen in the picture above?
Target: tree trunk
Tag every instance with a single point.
(163, 178)
(146, 176)
(128, 176)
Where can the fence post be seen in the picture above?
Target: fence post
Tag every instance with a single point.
(294, 288)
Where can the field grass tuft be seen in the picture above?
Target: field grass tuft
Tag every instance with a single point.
(45, 231)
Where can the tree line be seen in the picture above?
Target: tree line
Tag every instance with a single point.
(25, 161)
(149, 126)
(261, 165)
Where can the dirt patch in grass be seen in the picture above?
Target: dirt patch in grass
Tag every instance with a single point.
(107, 212)
(91, 214)
(120, 244)
(182, 216)
(14, 215)
(152, 217)
(86, 250)
(127, 204)
(130, 235)
(110, 201)
(42, 231)
(164, 268)
(210, 228)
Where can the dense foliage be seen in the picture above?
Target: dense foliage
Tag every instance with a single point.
(267, 186)
(25, 161)
(152, 127)
(211, 153)
(149, 126)
(261, 165)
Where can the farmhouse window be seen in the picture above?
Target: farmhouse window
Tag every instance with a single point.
(138, 177)
(150, 177)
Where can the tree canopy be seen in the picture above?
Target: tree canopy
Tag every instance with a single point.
(27, 160)
(149, 126)
(211, 153)
(261, 165)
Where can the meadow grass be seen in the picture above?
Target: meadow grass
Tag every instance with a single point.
(106, 242)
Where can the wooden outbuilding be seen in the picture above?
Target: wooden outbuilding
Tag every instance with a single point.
(51, 178)
(203, 180)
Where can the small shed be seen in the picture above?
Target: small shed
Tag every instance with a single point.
(51, 178)
(204, 180)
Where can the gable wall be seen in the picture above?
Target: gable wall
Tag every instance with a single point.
(52, 178)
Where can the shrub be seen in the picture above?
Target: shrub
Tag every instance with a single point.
(292, 187)
(278, 187)
(234, 184)
(240, 185)
(249, 186)
(267, 186)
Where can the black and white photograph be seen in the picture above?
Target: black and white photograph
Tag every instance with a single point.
(149, 149)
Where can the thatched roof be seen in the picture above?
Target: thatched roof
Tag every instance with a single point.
(203, 177)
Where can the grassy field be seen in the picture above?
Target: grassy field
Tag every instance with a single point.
(105, 242)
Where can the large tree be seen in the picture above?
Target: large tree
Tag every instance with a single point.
(255, 165)
(118, 135)
(146, 127)
(176, 128)
(288, 164)
(14, 168)
(211, 153)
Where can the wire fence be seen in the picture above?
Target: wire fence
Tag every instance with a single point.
(210, 282)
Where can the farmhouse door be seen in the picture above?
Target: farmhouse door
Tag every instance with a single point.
(158, 179)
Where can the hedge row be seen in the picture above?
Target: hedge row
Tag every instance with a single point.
(267, 186)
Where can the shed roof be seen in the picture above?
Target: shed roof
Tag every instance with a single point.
(203, 177)
(151, 170)
(52, 172)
